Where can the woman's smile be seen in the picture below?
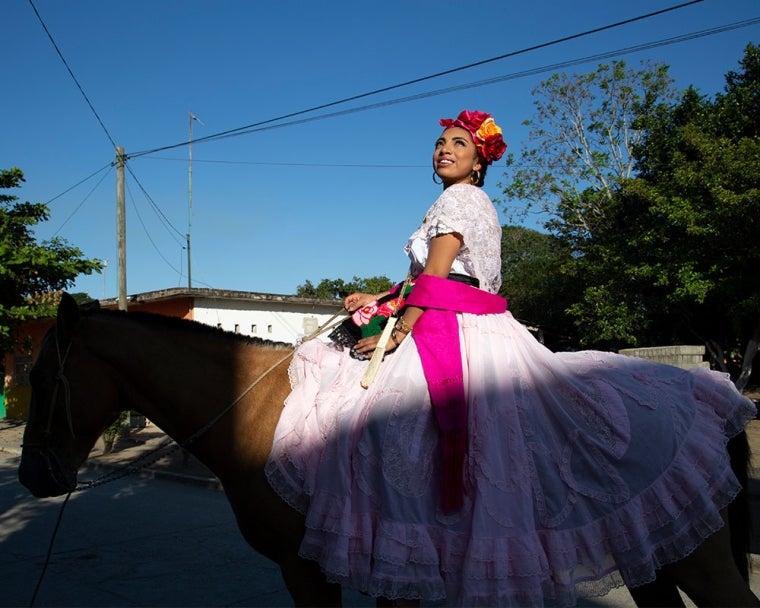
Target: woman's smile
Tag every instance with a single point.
(455, 157)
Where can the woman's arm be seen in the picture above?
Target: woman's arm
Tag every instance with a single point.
(443, 250)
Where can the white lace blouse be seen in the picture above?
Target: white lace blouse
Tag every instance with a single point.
(468, 211)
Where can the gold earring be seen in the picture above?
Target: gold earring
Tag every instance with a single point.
(475, 177)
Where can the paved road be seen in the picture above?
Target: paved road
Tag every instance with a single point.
(140, 542)
(134, 542)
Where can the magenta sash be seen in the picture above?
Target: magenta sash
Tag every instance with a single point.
(436, 334)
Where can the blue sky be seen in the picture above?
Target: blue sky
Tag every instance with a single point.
(334, 197)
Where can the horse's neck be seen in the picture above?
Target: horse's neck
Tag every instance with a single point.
(179, 379)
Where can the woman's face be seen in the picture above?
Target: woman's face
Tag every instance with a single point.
(455, 157)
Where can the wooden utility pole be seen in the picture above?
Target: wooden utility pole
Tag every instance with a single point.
(121, 229)
(190, 118)
(189, 194)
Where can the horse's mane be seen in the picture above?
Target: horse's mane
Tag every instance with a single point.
(186, 325)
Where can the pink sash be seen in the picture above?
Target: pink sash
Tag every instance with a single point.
(436, 334)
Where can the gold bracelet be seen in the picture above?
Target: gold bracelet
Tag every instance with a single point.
(393, 337)
(402, 326)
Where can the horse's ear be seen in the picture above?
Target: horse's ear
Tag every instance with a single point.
(68, 315)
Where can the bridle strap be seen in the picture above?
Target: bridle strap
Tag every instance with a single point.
(60, 380)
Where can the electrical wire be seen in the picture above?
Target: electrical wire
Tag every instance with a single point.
(283, 164)
(451, 89)
(160, 214)
(512, 76)
(266, 124)
(147, 233)
(79, 183)
(252, 127)
(71, 73)
(164, 220)
(79, 206)
(179, 272)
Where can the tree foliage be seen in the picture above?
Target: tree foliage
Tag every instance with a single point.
(338, 288)
(581, 141)
(537, 280)
(697, 196)
(666, 247)
(30, 270)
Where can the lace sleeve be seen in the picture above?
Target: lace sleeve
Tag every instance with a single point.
(467, 211)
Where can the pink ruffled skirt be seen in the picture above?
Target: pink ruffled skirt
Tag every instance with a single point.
(584, 470)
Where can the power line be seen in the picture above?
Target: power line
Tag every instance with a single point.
(79, 206)
(250, 128)
(71, 73)
(81, 181)
(147, 233)
(511, 76)
(150, 238)
(291, 164)
(160, 214)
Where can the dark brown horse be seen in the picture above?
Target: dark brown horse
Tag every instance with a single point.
(218, 394)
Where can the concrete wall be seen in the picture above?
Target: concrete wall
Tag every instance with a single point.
(285, 321)
(17, 367)
(684, 357)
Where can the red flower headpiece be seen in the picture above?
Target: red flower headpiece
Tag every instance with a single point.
(486, 134)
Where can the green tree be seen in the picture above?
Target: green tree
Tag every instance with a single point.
(672, 257)
(580, 150)
(538, 282)
(697, 201)
(581, 141)
(338, 288)
(657, 198)
(30, 270)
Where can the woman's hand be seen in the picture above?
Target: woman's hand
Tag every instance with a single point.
(356, 300)
(366, 346)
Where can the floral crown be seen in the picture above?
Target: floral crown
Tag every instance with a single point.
(486, 134)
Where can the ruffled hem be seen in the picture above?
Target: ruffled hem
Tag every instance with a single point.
(660, 526)
(364, 533)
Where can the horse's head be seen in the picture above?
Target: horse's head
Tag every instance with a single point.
(63, 424)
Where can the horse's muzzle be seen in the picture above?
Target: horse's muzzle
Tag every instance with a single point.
(42, 474)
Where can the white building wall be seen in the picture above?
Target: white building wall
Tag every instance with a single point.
(277, 321)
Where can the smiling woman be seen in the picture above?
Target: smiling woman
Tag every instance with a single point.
(481, 468)
(466, 143)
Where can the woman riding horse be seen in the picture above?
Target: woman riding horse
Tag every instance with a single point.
(477, 466)
(481, 468)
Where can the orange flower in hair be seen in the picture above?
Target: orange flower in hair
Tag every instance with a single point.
(486, 134)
